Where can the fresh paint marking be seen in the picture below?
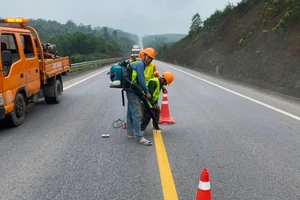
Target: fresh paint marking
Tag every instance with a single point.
(167, 182)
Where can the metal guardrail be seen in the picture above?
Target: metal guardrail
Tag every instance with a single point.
(95, 63)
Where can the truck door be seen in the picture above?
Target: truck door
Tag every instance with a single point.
(32, 73)
(14, 74)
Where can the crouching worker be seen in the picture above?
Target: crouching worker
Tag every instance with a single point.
(155, 85)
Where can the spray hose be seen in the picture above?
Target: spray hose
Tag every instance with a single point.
(120, 123)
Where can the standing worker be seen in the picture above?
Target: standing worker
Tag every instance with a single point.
(132, 58)
(155, 85)
(134, 107)
(150, 71)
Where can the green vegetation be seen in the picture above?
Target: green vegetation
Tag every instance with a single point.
(206, 27)
(84, 43)
(196, 26)
(241, 42)
(292, 14)
(163, 38)
(161, 42)
(239, 39)
(249, 34)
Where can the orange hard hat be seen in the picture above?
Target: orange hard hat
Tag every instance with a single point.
(168, 76)
(141, 54)
(150, 52)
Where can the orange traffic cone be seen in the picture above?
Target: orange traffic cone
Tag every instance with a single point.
(203, 192)
(164, 117)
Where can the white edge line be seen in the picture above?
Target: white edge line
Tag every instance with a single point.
(241, 95)
(82, 80)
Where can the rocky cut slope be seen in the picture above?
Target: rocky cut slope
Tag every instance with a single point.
(256, 42)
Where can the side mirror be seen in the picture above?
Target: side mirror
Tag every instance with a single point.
(6, 61)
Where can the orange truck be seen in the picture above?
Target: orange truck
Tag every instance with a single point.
(25, 74)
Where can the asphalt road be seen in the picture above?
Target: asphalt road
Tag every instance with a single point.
(247, 138)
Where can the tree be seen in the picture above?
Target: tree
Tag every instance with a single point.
(115, 33)
(105, 33)
(196, 24)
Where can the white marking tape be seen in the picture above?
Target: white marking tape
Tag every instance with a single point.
(204, 185)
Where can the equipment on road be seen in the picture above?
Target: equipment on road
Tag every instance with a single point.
(165, 113)
(105, 135)
(203, 192)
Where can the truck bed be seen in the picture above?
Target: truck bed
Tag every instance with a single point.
(51, 67)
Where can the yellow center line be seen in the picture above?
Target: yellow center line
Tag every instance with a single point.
(167, 182)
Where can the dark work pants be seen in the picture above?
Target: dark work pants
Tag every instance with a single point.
(146, 117)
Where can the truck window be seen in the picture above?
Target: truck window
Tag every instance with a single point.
(27, 46)
(11, 45)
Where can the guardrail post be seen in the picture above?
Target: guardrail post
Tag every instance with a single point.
(217, 70)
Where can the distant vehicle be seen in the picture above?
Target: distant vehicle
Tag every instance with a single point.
(29, 70)
(136, 46)
(135, 50)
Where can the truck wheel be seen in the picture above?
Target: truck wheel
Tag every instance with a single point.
(18, 114)
(57, 91)
(57, 87)
(48, 100)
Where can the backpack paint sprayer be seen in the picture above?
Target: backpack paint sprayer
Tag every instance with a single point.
(120, 77)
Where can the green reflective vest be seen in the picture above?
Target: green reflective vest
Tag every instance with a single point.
(156, 92)
(149, 72)
(134, 74)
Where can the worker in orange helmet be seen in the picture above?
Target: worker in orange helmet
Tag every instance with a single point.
(155, 85)
(134, 105)
(141, 54)
(150, 71)
(132, 58)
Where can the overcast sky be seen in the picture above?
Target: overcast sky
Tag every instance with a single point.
(135, 16)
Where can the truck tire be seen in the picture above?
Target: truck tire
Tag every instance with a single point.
(48, 100)
(57, 88)
(57, 91)
(18, 114)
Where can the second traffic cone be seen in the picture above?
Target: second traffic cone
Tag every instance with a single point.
(203, 192)
(164, 117)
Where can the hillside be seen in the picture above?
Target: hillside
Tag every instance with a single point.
(83, 42)
(163, 38)
(256, 42)
(50, 28)
(161, 42)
